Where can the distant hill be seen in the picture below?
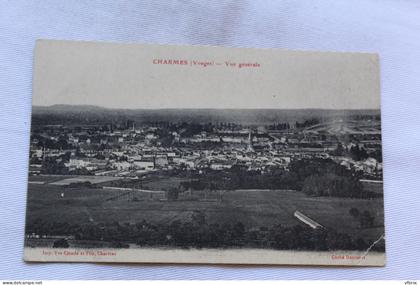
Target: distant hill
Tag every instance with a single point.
(60, 108)
(87, 114)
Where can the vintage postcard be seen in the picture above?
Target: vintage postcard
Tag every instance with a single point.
(195, 154)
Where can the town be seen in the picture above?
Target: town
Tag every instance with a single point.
(210, 178)
(129, 150)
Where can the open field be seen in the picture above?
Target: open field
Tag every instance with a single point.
(49, 178)
(69, 179)
(81, 179)
(255, 209)
(163, 182)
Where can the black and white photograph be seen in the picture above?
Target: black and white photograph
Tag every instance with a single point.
(190, 154)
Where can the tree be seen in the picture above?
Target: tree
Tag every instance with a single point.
(366, 219)
(52, 166)
(61, 243)
(198, 218)
(238, 230)
(354, 212)
(358, 153)
(339, 151)
(173, 193)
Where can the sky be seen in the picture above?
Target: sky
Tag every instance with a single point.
(136, 76)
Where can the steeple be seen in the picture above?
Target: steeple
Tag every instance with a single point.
(249, 147)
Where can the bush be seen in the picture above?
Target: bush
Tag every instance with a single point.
(61, 243)
(172, 194)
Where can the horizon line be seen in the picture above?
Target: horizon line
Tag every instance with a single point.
(206, 108)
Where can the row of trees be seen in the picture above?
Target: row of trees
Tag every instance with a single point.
(45, 142)
(307, 123)
(316, 177)
(324, 177)
(280, 126)
(52, 165)
(197, 233)
(357, 152)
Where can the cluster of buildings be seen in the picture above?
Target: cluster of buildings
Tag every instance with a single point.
(133, 150)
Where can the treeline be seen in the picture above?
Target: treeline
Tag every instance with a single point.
(197, 233)
(317, 177)
(286, 126)
(45, 142)
(324, 177)
(53, 165)
(356, 152)
(365, 218)
(307, 123)
(279, 126)
(237, 178)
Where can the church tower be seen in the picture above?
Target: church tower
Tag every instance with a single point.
(249, 147)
